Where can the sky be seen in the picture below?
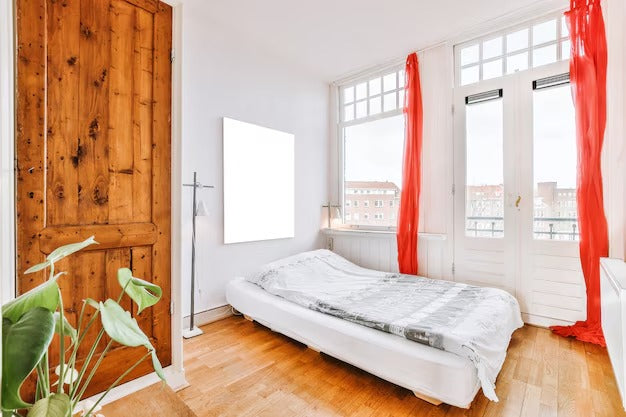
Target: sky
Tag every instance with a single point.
(554, 139)
(373, 150)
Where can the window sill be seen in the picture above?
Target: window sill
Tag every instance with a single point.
(384, 234)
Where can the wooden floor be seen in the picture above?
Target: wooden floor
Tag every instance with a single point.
(239, 368)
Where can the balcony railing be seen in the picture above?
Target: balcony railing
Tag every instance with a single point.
(495, 227)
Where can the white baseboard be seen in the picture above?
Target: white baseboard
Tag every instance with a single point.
(175, 379)
(208, 316)
(541, 321)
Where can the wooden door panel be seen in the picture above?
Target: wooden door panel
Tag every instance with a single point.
(93, 155)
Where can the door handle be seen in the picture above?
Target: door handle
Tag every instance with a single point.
(519, 198)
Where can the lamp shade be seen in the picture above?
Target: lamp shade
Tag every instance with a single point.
(201, 210)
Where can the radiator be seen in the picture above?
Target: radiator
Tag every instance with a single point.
(613, 295)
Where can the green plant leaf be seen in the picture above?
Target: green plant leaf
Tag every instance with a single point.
(122, 328)
(93, 303)
(68, 330)
(144, 293)
(60, 253)
(56, 405)
(45, 295)
(23, 345)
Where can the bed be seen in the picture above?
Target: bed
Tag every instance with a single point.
(335, 307)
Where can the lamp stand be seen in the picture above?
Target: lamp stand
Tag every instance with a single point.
(193, 331)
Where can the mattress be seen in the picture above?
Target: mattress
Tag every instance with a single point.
(431, 372)
(472, 322)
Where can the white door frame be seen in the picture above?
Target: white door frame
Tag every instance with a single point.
(7, 152)
(540, 273)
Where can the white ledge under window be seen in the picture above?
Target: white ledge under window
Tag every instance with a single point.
(378, 233)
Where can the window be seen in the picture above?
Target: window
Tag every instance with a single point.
(554, 133)
(371, 128)
(484, 194)
(532, 45)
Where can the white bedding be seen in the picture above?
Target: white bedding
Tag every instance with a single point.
(472, 322)
(417, 367)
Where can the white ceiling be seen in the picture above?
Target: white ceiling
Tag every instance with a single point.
(331, 38)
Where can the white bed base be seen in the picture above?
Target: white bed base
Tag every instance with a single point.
(433, 375)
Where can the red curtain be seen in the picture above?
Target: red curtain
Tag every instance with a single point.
(588, 77)
(408, 218)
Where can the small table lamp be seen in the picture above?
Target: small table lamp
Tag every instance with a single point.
(199, 209)
(332, 214)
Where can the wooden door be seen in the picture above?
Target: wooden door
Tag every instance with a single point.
(93, 154)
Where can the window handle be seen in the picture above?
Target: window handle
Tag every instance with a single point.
(519, 198)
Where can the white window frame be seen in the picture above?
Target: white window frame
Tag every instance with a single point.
(503, 33)
(341, 125)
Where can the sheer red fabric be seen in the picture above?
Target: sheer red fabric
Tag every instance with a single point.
(408, 218)
(588, 77)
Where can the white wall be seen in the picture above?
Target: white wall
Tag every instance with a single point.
(225, 74)
(7, 202)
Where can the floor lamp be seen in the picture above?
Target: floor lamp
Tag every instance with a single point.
(198, 210)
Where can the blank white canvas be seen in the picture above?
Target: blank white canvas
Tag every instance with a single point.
(258, 183)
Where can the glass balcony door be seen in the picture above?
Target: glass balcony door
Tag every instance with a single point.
(515, 215)
(485, 184)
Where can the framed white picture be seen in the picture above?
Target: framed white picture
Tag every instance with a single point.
(259, 183)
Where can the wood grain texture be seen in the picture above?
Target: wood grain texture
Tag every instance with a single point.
(108, 236)
(156, 400)
(93, 156)
(239, 368)
(161, 176)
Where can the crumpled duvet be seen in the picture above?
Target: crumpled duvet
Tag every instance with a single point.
(472, 322)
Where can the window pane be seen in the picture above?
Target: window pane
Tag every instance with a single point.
(554, 165)
(484, 195)
(348, 112)
(469, 55)
(361, 91)
(373, 171)
(375, 86)
(375, 106)
(517, 40)
(401, 98)
(469, 75)
(544, 55)
(492, 69)
(389, 82)
(565, 49)
(564, 28)
(544, 32)
(361, 109)
(401, 79)
(492, 48)
(389, 102)
(348, 95)
(517, 62)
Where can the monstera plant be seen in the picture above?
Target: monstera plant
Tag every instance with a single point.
(29, 323)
